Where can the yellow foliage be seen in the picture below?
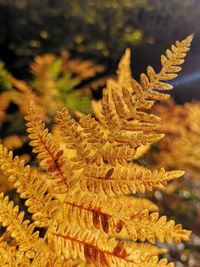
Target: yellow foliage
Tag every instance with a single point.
(54, 79)
(52, 86)
(12, 142)
(84, 199)
(4, 103)
(181, 146)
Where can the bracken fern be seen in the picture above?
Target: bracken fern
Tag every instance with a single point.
(83, 192)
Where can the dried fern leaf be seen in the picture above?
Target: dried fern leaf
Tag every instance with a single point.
(170, 67)
(124, 180)
(72, 134)
(94, 220)
(48, 152)
(119, 109)
(110, 216)
(101, 212)
(98, 249)
(9, 255)
(119, 96)
(30, 186)
(22, 231)
(124, 70)
(92, 130)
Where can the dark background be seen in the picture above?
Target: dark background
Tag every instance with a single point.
(102, 30)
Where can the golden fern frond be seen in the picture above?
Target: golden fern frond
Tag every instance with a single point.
(170, 67)
(119, 108)
(100, 250)
(118, 103)
(30, 186)
(48, 258)
(88, 136)
(93, 131)
(21, 231)
(141, 225)
(90, 217)
(48, 152)
(152, 250)
(8, 252)
(124, 70)
(125, 204)
(72, 134)
(124, 179)
(120, 111)
(141, 151)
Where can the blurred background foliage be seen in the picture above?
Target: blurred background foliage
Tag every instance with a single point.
(99, 29)
(54, 82)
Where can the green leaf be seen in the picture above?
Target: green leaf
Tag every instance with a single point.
(55, 68)
(5, 82)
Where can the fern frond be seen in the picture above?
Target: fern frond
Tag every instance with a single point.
(93, 131)
(119, 104)
(134, 140)
(152, 250)
(91, 211)
(170, 67)
(30, 186)
(110, 216)
(48, 152)
(71, 131)
(125, 180)
(119, 149)
(48, 258)
(100, 250)
(21, 231)
(8, 252)
(124, 70)
(84, 198)
(115, 154)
